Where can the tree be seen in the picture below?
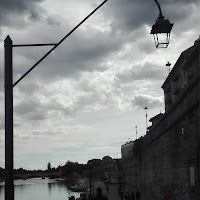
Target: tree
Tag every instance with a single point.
(49, 166)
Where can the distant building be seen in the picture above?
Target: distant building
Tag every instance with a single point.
(94, 162)
(106, 160)
(105, 169)
(112, 169)
(155, 120)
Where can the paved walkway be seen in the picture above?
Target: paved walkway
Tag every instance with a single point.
(113, 190)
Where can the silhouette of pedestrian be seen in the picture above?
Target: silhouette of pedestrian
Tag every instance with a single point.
(84, 196)
(138, 195)
(121, 194)
(99, 195)
(107, 189)
(127, 195)
(72, 197)
(132, 196)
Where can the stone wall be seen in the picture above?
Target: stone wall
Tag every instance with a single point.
(164, 164)
(160, 169)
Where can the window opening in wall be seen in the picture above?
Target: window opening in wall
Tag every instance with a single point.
(192, 176)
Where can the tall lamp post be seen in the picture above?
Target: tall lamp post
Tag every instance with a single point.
(8, 46)
(146, 118)
(90, 179)
(168, 66)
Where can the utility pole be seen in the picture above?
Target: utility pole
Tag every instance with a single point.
(136, 132)
(146, 118)
(90, 178)
(168, 67)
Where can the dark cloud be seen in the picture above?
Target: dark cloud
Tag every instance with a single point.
(12, 12)
(128, 15)
(53, 21)
(35, 14)
(85, 50)
(19, 5)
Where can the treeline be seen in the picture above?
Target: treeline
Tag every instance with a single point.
(72, 167)
(68, 169)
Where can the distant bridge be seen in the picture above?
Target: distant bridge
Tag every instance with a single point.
(43, 175)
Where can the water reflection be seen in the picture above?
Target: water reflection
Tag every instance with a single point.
(40, 189)
(49, 187)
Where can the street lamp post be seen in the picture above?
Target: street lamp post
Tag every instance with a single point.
(146, 118)
(168, 66)
(9, 185)
(90, 179)
(8, 46)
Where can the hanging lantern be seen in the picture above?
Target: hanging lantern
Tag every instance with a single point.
(164, 27)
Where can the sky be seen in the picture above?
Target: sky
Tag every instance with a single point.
(86, 98)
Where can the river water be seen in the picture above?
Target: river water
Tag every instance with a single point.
(39, 189)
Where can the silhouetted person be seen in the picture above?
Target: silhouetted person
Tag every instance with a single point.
(138, 195)
(99, 195)
(72, 197)
(84, 196)
(132, 196)
(107, 189)
(120, 192)
(119, 189)
(127, 195)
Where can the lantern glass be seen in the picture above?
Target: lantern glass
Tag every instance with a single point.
(161, 32)
(161, 40)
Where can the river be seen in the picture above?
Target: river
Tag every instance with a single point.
(39, 189)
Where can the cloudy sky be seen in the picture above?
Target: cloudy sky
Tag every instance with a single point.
(86, 98)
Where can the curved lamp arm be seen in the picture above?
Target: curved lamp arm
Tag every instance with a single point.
(160, 14)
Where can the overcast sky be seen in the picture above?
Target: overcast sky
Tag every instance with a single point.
(86, 98)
